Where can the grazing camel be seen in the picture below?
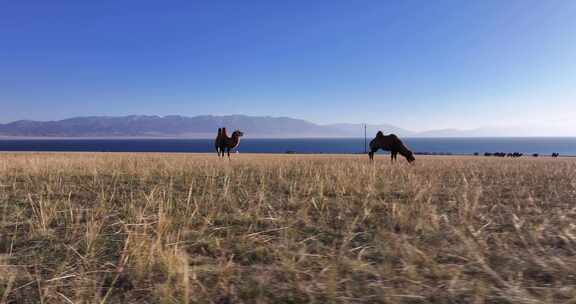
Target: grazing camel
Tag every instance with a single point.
(223, 143)
(390, 143)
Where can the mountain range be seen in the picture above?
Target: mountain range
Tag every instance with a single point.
(205, 126)
(181, 126)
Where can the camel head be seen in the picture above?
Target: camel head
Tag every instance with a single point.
(410, 156)
(238, 133)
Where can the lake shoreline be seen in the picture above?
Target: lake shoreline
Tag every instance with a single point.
(565, 146)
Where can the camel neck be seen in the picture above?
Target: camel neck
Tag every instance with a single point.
(235, 138)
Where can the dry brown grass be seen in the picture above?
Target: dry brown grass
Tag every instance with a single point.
(168, 228)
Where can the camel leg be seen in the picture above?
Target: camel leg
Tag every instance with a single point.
(393, 156)
(228, 151)
(371, 153)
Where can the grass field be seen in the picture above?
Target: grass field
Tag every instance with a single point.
(181, 228)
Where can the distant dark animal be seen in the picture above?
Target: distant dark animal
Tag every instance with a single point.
(514, 155)
(223, 143)
(487, 154)
(476, 153)
(535, 154)
(555, 155)
(390, 143)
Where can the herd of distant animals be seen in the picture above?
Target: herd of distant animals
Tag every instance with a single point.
(502, 154)
(515, 154)
(392, 143)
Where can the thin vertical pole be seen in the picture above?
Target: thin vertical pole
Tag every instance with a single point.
(365, 149)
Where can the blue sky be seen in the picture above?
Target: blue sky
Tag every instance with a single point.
(417, 64)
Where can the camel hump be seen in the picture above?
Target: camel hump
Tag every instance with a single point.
(379, 134)
(394, 138)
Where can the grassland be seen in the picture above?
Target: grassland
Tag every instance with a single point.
(169, 228)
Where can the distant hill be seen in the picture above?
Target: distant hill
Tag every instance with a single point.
(182, 126)
(205, 126)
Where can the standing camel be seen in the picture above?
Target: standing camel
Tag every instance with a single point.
(390, 143)
(223, 143)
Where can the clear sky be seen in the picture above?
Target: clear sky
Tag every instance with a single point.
(417, 64)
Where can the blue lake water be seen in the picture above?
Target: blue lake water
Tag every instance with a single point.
(544, 146)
